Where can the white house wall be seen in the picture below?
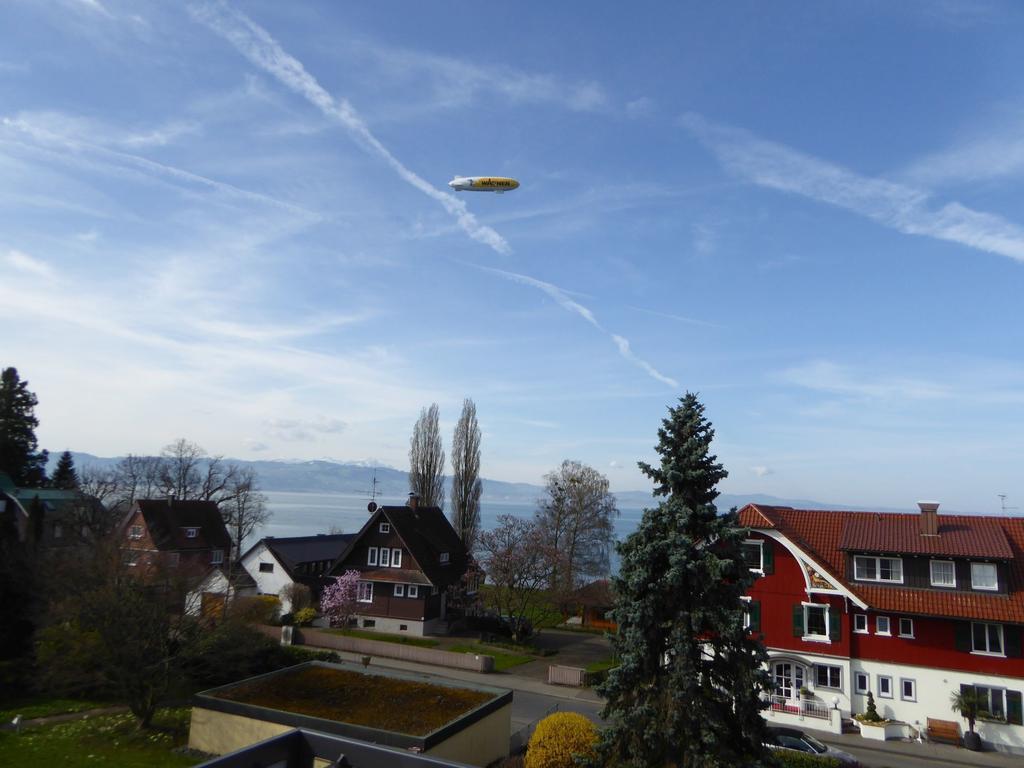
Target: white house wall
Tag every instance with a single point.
(267, 583)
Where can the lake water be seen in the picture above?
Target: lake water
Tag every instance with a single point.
(306, 514)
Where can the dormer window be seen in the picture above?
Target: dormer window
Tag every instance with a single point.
(983, 576)
(385, 528)
(191, 533)
(889, 569)
(135, 532)
(943, 573)
(444, 558)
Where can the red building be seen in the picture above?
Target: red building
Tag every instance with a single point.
(911, 607)
(174, 538)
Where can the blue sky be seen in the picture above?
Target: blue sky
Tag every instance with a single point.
(230, 222)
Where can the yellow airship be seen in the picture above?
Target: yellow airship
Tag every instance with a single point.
(499, 184)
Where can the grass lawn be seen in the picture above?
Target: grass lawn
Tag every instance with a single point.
(107, 741)
(41, 706)
(419, 642)
(602, 666)
(502, 659)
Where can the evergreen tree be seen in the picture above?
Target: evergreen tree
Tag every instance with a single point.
(466, 483)
(19, 457)
(688, 690)
(64, 476)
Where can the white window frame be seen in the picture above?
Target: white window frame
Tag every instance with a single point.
(816, 638)
(371, 556)
(364, 592)
(831, 668)
(399, 590)
(217, 557)
(860, 623)
(903, 689)
(266, 568)
(413, 591)
(191, 533)
(385, 557)
(991, 694)
(986, 652)
(887, 681)
(858, 576)
(746, 600)
(135, 532)
(887, 632)
(384, 527)
(910, 632)
(444, 558)
(859, 677)
(995, 574)
(931, 574)
(760, 554)
(131, 557)
(396, 558)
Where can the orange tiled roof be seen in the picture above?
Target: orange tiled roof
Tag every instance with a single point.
(959, 536)
(820, 533)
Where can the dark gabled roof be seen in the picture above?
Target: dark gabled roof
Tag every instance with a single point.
(167, 520)
(818, 532)
(959, 536)
(293, 551)
(427, 534)
(596, 594)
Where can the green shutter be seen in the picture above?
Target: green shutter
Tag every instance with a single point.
(798, 620)
(754, 609)
(1011, 641)
(1014, 709)
(834, 625)
(768, 557)
(962, 630)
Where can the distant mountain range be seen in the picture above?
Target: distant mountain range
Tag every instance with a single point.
(356, 479)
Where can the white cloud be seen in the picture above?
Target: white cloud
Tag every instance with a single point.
(638, 108)
(576, 308)
(901, 207)
(262, 50)
(762, 471)
(827, 376)
(678, 318)
(25, 263)
(996, 155)
(304, 429)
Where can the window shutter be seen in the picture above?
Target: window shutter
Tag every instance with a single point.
(962, 631)
(1011, 641)
(1014, 709)
(798, 620)
(768, 557)
(754, 609)
(834, 625)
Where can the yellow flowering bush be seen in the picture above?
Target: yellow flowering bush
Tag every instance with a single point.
(558, 739)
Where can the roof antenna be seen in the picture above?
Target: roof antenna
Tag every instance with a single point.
(372, 506)
(1002, 503)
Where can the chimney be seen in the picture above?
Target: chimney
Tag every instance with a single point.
(929, 517)
(414, 500)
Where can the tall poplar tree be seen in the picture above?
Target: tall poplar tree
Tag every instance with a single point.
(688, 690)
(466, 483)
(426, 458)
(19, 456)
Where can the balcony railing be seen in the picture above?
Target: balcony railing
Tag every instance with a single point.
(804, 707)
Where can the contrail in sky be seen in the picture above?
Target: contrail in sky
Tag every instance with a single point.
(257, 45)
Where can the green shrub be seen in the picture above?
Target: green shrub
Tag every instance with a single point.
(788, 758)
(304, 616)
(232, 651)
(261, 609)
(559, 739)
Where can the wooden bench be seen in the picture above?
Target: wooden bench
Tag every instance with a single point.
(944, 730)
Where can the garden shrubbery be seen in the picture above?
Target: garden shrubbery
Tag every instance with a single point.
(789, 758)
(559, 739)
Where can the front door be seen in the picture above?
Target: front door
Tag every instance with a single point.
(789, 679)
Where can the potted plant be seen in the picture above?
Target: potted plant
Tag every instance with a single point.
(805, 692)
(968, 704)
(874, 726)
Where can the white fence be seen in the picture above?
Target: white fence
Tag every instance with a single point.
(574, 676)
(784, 711)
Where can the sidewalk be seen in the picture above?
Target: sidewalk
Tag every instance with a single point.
(67, 717)
(939, 754)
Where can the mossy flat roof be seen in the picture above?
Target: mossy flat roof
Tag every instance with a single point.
(379, 699)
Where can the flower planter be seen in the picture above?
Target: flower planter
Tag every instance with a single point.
(881, 731)
(972, 741)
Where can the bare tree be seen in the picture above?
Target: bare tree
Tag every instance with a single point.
(426, 458)
(242, 506)
(137, 477)
(515, 558)
(466, 484)
(575, 519)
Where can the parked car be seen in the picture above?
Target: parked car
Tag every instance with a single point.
(797, 740)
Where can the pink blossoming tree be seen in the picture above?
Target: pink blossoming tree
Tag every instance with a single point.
(338, 601)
